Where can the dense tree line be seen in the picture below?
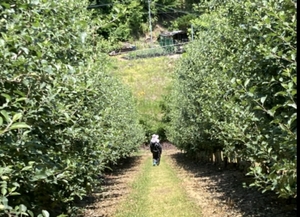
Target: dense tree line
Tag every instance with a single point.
(63, 118)
(236, 90)
(128, 20)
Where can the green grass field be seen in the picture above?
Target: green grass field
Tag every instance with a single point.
(150, 79)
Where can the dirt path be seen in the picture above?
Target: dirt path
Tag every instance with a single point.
(219, 193)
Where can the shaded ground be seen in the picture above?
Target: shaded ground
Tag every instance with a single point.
(218, 192)
(116, 186)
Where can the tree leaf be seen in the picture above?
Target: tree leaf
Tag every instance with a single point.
(17, 117)
(26, 168)
(19, 125)
(263, 99)
(5, 115)
(83, 36)
(246, 82)
(6, 96)
(3, 191)
(45, 213)
(22, 208)
(35, 2)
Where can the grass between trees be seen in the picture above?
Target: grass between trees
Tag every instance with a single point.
(157, 191)
(150, 80)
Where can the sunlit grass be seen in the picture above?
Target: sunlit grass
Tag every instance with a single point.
(156, 192)
(149, 79)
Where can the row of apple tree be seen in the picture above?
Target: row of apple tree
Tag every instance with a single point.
(236, 90)
(63, 118)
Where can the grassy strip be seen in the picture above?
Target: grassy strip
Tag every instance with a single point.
(157, 191)
(149, 79)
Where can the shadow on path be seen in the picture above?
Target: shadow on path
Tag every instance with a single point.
(227, 185)
(104, 200)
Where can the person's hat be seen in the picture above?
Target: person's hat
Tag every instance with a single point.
(155, 138)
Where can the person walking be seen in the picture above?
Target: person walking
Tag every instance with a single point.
(156, 149)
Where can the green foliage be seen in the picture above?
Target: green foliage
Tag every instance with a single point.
(183, 23)
(63, 117)
(236, 89)
(129, 20)
(118, 21)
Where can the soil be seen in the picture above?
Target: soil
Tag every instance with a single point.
(218, 191)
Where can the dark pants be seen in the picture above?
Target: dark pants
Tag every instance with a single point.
(156, 157)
